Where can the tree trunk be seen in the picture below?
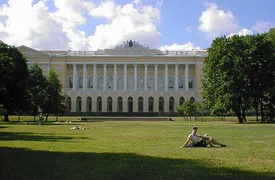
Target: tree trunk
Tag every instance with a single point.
(243, 115)
(257, 114)
(262, 111)
(18, 117)
(6, 117)
(34, 117)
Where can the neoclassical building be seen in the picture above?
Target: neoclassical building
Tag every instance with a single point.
(129, 79)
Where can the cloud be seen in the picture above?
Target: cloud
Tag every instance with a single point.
(124, 22)
(180, 47)
(215, 22)
(262, 27)
(31, 23)
(242, 32)
(28, 23)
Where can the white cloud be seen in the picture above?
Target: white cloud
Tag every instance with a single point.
(180, 47)
(262, 27)
(124, 22)
(215, 22)
(242, 32)
(31, 23)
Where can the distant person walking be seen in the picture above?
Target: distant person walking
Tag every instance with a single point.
(200, 141)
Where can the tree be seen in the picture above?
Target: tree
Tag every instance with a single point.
(55, 100)
(37, 85)
(13, 80)
(237, 74)
(191, 109)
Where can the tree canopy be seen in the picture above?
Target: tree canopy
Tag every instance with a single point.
(13, 80)
(239, 75)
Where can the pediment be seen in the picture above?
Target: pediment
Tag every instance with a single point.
(29, 52)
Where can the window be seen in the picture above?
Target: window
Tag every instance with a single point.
(90, 82)
(140, 82)
(80, 82)
(130, 83)
(192, 99)
(100, 83)
(181, 82)
(110, 83)
(140, 104)
(120, 83)
(69, 103)
(99, 104)
(119, 104)
(161, 83)
(70, 83)
(151, 104)
(171, 104)
(151, 83)
(190, 83)
(109, 104)
(130, 104)
(171, 82)
(89, 104)
(161, 104)
(182, 100)
(78, 104)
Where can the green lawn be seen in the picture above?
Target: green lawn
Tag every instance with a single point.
(135, 150)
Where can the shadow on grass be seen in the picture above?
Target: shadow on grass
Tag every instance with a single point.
(19, 163)
(23, 136)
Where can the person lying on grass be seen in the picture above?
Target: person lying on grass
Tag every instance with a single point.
(200, 141)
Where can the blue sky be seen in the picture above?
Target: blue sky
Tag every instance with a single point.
(97, 24)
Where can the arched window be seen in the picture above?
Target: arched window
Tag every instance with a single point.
(119, 104)
(140, 104)
(192, 99)
(120, 83)
(181, 82)
(110, 83)
(151, 83)
(140, 82)
(78, 104)
(100, 83)
(90, 82)
(109, 104)
(171, 82)
(70, 83)
(80, 82)
(130, 83)
(151, 104)
(161, 104)
(191, 83)
(69, 103)
(161, 83)
(99, 104)
(171, 104)
(130, 104)
(182, 100)
(89, 104)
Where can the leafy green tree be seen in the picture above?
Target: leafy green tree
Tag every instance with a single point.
(237, 75)
(37, 85)
(55, 100)
(13, 80)
(191, 109)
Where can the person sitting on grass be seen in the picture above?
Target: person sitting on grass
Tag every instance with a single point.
(200, 141)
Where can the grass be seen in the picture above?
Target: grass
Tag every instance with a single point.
(135, 150)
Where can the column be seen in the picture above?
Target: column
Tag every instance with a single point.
(74, 76)
(176, 77)
(125, 77)
(166, 77)
(84, 76)
(135, 77)
(104, 76)
(94, 77)
(145, 77)
(186, 77)
(115, 77)
(156, 77)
